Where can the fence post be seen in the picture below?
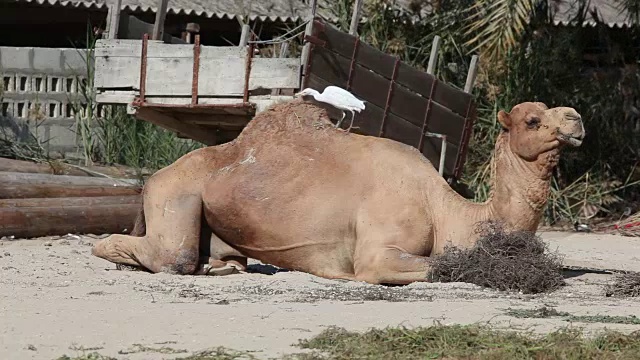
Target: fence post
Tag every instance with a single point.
(471, 76)
(114, 19)
(355, 17)
(244, 36)
(158, 25)
(433, 58)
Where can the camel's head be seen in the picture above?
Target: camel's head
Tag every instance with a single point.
(534, 129)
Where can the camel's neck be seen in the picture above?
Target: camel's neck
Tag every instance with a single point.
(520, 189)
(519, 193)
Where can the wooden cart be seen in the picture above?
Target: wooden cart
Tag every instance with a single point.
(209, 93)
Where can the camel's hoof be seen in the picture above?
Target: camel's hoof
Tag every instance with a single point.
(124, 267)
(221, 271)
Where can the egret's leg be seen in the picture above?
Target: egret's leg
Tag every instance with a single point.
(340, 121)
(353, 114)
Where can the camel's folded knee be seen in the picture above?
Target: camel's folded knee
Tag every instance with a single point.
(114, 249)
(184, 262)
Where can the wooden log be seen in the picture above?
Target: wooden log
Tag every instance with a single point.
(25, 218)
(72, 201)
(60, 168)
(21, 185)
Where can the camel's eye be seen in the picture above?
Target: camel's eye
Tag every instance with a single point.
(533, 123)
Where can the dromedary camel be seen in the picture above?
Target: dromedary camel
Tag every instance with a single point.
(295, 192)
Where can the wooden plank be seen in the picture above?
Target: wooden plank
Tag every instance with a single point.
(398, 129)
(274, 73)
(115, 97)
(222, 72)
(117, 72)
(195, 132)
(382, 64)
(366, 85)
(161, 14)
(226, 121)
(440, 121)
(158, 50)
(304, 55)
(118, 48)
(169, 76)
(114, 19)
(118, 63)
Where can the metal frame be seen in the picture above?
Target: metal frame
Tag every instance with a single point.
(141, 101)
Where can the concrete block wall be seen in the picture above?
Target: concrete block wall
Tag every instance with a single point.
(39, 87)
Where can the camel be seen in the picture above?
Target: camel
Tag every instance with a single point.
(295, 192)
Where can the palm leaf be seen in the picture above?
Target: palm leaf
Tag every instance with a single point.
(494, 27)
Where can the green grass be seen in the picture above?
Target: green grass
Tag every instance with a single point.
(545, 312)
(467, 342)
(442, 342)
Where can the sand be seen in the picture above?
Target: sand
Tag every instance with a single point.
(57, 299)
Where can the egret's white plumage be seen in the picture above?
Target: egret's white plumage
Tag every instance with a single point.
(339, 98)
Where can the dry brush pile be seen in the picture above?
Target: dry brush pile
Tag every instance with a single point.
(502, 260)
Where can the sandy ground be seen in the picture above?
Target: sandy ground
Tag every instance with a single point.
(57, 299)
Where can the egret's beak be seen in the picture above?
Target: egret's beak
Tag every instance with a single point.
(296, 94)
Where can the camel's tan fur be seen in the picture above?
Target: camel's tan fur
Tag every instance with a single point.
(295, 192)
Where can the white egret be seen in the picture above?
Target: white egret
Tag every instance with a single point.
(339, 98)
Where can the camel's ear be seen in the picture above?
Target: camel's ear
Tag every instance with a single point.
(504, 119)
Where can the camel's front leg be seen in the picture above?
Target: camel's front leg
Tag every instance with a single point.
(392, 266)
(172, 240)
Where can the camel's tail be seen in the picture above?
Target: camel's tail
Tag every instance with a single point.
(140, 226)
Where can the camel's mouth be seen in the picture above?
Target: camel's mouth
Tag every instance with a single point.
(570, 139)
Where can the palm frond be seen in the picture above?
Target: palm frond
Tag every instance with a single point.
(495, 27)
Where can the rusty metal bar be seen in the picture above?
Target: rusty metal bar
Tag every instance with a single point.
(319, 24)
(196, 70)
(352, 66)
(143, 68)
(199, 106)
(315, 40)
(466, 136)
(247, 70)
(387, 105)
(426, 114)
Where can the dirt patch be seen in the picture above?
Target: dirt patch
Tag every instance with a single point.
(501, 260)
